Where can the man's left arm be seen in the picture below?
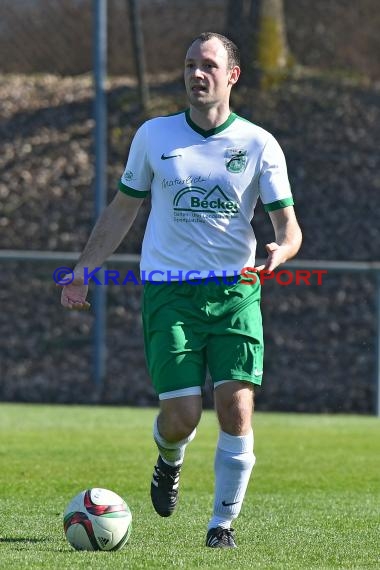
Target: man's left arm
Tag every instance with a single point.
(288, 238)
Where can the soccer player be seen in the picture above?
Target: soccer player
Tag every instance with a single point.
(205, 169)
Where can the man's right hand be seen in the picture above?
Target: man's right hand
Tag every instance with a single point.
(74, 294)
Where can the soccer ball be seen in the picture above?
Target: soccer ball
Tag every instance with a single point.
(97, 519)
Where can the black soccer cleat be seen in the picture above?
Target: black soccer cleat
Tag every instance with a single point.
(164, 488)
(220, 538)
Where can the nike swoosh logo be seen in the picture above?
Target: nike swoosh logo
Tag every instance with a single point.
(229, 504)
(163, 157)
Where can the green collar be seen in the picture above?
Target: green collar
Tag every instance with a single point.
(210, 132)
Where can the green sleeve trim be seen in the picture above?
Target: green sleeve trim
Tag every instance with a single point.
(132, 192)
(278, 204)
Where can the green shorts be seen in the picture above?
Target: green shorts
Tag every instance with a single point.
(191, 327)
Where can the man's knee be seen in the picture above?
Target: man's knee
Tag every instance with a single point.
(234, 407)
(179, 417)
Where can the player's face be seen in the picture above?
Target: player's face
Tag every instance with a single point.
(208, 78)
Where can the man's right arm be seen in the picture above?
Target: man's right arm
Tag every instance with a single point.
(108, 232)
(111, 227)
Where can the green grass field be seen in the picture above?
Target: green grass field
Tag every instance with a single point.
(313, 501)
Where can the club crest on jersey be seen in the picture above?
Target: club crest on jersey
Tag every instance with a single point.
(235, 160)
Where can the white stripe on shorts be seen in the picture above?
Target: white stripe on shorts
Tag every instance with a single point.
(193, 391)
(221, 382)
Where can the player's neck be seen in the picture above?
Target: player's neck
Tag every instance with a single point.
(208, 119)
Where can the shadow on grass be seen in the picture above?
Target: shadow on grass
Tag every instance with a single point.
(22, 540)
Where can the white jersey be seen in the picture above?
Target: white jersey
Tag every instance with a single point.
(204, 187)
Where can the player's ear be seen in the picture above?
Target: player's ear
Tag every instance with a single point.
(234, 74)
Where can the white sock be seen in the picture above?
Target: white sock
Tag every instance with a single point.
(234, 461)
(171, 452)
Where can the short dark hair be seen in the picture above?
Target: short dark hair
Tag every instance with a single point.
(233, 52)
